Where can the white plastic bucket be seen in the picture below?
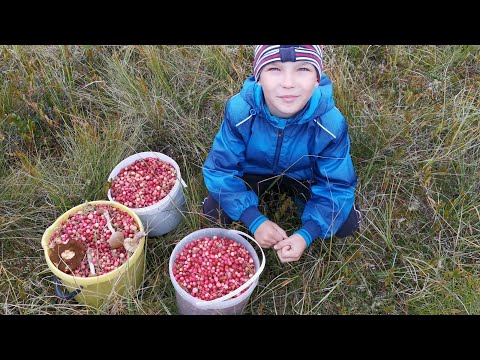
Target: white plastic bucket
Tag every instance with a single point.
(164, 216)
(225, 305)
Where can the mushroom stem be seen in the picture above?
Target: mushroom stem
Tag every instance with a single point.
(116, 237)
(90, 262)
(109, 221)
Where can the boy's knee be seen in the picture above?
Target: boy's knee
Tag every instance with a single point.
(210, 206)
(213, 212)
(204, 211)
(351, 225)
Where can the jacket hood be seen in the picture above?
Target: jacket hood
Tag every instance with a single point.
(320, 102)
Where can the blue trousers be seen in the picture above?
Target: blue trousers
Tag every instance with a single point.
(299, 190)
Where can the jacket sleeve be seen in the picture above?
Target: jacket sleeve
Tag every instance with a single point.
(222, 174)
(333, 192)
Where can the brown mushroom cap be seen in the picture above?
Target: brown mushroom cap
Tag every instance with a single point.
(67, 257)
(116, 240)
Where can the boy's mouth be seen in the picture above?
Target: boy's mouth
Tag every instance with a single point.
(288, 98)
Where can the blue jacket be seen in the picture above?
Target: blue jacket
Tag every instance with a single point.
(252, 141)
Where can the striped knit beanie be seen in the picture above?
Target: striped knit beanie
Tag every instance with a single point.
(265, 54)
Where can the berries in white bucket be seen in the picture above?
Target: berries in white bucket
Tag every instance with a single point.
(209, 268)
(143, 183)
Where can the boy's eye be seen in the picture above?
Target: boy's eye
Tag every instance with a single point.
(273, 68)
(304, 69)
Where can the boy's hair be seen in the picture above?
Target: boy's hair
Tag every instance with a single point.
(265, 54)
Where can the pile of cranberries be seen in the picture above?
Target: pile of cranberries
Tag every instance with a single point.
(89, 226)
(209, 268)
(143, 183)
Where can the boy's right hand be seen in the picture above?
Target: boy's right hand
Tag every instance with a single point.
(268, 234)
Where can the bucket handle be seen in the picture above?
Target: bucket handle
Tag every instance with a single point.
(60, 293)
(205, 304)
(184, 184)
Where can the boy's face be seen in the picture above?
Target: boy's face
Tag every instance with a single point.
(287, 86)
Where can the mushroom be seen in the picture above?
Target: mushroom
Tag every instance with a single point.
(131, 244)
(90, 261)
(67, 257)
(116, 239)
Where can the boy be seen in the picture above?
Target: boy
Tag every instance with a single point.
(283, 123)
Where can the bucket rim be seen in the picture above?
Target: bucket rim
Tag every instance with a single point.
(147, 154)
(86, 281)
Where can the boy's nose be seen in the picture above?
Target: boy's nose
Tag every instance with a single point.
(287, 79)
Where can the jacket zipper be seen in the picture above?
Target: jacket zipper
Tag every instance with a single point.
(277, 150)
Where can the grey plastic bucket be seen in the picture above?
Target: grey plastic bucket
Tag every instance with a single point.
(164, 216)
(225, 305)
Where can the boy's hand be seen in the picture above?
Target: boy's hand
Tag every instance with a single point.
(269, 233)
(291, 249)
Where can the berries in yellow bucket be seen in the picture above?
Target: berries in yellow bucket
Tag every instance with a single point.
(97, 250)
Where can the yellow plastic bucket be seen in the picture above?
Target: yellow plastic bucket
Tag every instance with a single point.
(95, 291)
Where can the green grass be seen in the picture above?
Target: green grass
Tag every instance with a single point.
(69, 114)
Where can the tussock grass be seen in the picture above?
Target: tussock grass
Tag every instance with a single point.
(69, 114)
